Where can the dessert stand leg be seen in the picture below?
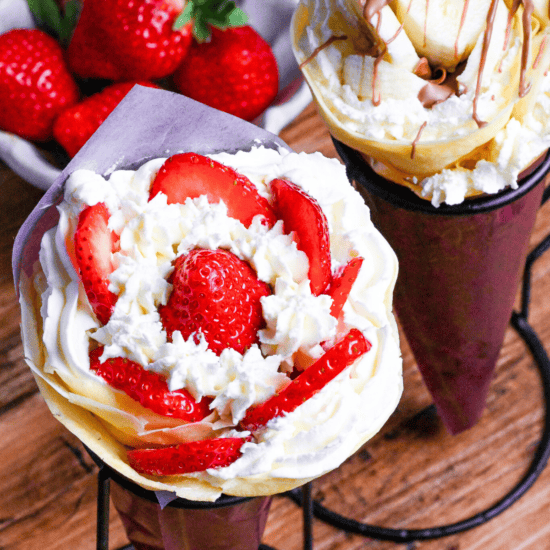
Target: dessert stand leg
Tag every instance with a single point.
(520, 323)
(230, 523)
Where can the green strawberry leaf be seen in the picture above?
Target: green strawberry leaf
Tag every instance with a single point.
(201, 30)
(185, 16)
(205, 13)
(237, 18)
(48, 16)
(46, 12)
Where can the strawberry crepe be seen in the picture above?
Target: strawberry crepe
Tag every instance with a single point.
(202, 337)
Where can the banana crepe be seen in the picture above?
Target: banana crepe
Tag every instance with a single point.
(448, 97)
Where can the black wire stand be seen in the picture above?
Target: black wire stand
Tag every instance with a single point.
(312, 508)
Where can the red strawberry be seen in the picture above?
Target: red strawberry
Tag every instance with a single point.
(302, 214)
(75, 125)
(94, 244)
(195, 456)
(149, 388)
(308, 383)
(128, 40)
(35, 84)
(217, 294)
(341, 284)
(192, 175)
(235, 72)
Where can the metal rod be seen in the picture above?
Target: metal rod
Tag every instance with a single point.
(103, 494)
(307, 510)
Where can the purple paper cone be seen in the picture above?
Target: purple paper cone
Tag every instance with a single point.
(236, 526)
(459, 269)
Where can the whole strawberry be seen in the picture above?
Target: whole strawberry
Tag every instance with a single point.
(217, 294)
(128, 39)
(75, 125)
(35, 84)
(235, 72)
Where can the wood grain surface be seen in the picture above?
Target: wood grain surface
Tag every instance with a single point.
(411, 475)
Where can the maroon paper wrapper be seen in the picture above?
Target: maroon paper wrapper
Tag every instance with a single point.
(459, 269)
(236, 526)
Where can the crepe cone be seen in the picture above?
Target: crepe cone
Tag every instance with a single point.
(459, 273)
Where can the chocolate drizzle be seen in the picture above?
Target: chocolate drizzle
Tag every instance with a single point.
(426, 23)
(442, 87)
(542, 47)
(373, 7)
(320, 48)
(528, 8)
(417, 139)
(461, 26)
(486, 41)
(370, 10)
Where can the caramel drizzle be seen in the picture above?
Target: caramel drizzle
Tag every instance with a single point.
(320, 48)
(417, 139)
(461, 26)
(486, 41)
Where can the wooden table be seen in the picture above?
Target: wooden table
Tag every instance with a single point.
(411, 475)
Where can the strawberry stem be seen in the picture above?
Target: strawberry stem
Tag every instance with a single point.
(53, 20)
(205, 13)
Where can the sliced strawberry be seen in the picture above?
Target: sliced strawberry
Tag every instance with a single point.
(302, 214)
(217, 294)
(148, 388)
(341, 284)
(195, 456)
(192, 175)
(308, 383)
(94, 245)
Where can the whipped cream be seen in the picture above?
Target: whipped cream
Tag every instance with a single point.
(320, 433)
(374, 104)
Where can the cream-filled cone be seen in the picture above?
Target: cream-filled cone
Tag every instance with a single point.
(425, 93)
(59, 325)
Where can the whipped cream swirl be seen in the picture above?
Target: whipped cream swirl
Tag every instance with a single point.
(311, 440)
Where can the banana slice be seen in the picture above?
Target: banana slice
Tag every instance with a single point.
(443, 31)
(497, 57)
(385, 30)
(380, 82)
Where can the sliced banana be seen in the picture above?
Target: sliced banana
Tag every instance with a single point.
(502, 58)
(370, 80)
(443, 31)
(385, 30)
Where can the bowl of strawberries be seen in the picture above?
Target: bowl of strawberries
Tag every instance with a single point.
(66, 64)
